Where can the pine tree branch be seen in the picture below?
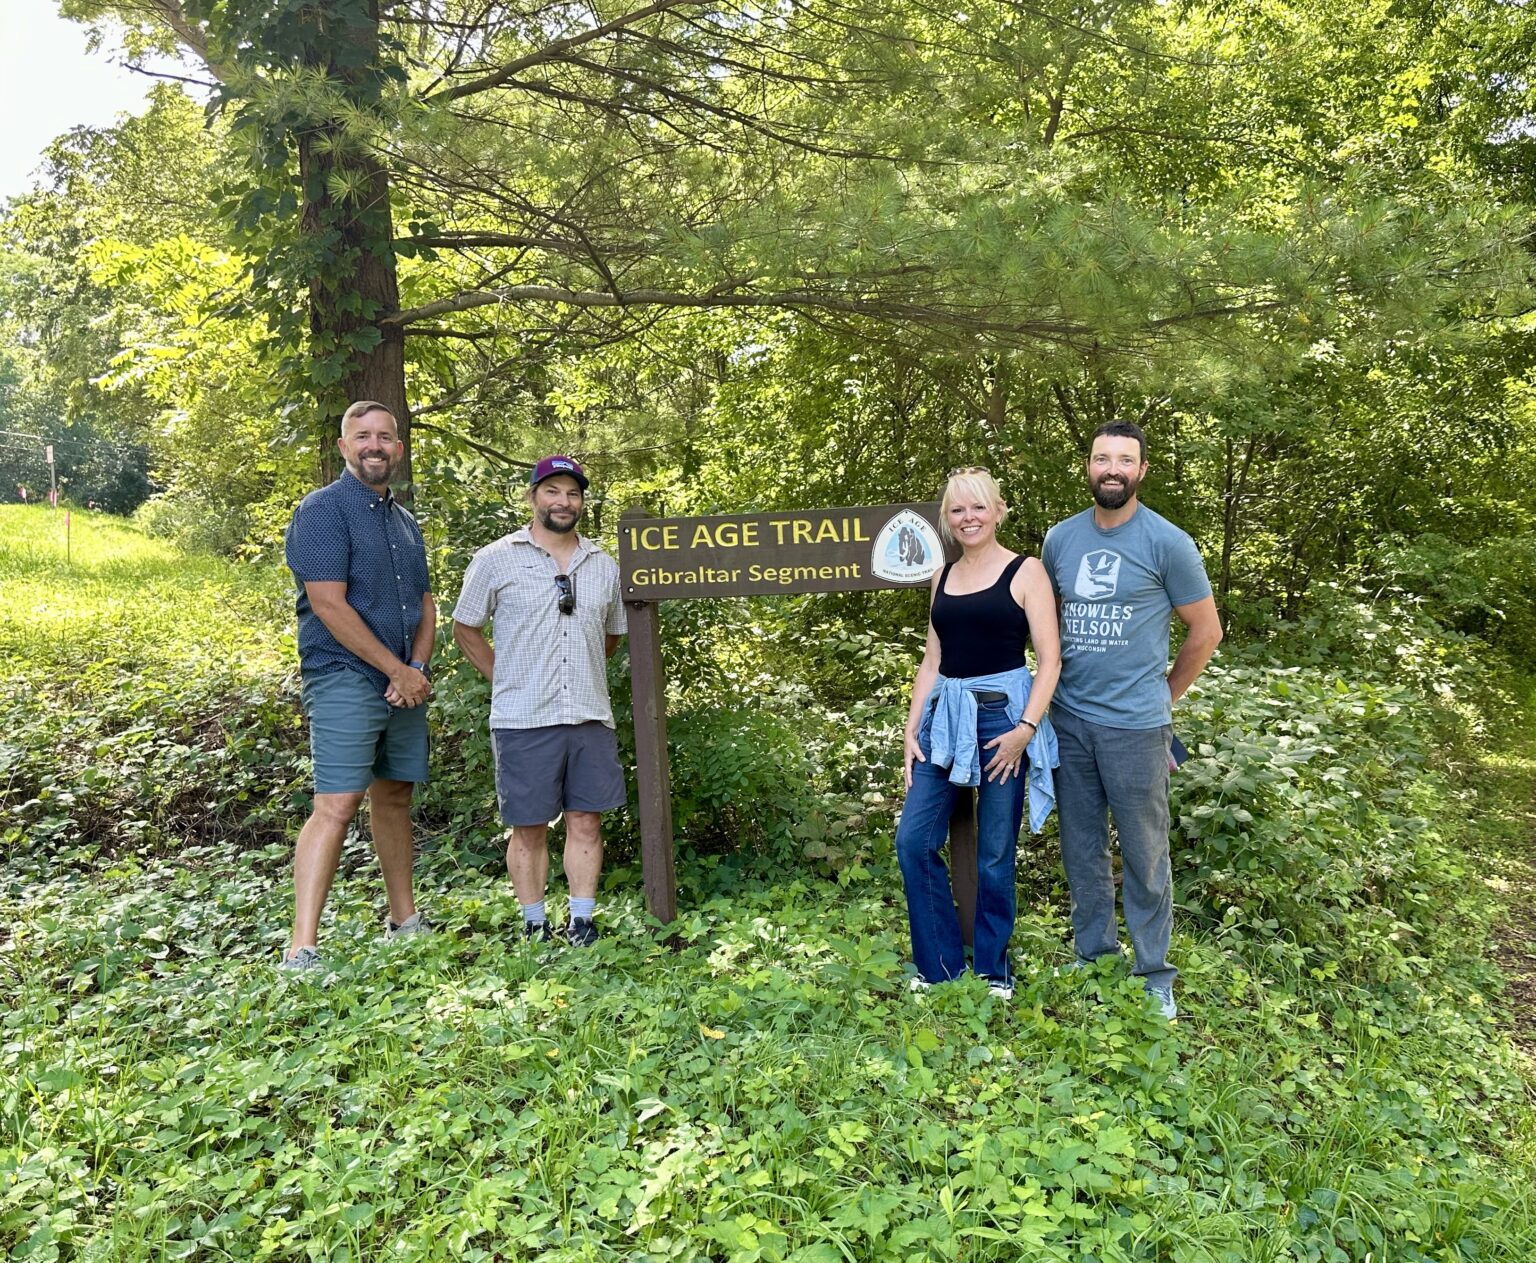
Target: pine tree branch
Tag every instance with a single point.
(550, 52)
(727, 295)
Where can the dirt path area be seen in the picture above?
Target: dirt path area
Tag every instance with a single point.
(1506, 785)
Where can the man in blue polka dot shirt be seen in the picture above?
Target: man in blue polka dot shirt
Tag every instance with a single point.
(366, 623)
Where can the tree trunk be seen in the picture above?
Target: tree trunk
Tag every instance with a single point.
(347, 216)
(997, 394)
(1234, 484)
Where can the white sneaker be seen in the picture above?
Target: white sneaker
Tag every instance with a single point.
(918, 983)
(1002, 990)
(1165, 1001)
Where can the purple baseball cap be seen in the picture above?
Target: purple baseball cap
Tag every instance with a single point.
(552, 465)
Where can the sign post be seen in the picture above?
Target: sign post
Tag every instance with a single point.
(760, 554)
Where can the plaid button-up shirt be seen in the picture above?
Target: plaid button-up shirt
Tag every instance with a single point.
(551, 668)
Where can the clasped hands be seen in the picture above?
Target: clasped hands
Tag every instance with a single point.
(410, 688)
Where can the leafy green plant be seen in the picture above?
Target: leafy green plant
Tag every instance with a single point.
(759, 1085)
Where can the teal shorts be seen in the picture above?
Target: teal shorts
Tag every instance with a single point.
(356, 737)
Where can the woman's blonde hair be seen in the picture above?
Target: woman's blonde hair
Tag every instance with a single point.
(970, 483)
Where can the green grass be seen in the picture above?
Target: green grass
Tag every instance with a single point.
(151, 694)
(122, 597)
(761, 1088)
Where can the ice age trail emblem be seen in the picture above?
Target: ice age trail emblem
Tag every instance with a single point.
(907, 549)
(1098, 575)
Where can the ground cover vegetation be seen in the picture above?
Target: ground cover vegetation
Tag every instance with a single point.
(1339, 1088)
(733, 259)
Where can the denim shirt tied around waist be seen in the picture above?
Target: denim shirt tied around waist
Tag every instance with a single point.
(952, 735)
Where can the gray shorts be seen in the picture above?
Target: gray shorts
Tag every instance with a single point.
(541, 772)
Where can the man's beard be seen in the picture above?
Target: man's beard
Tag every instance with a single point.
(548, 521)
(360, 470)
(1116, 497)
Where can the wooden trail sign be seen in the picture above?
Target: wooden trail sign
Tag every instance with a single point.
(773, 554)
(760, 554)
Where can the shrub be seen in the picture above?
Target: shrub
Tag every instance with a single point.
(195, 522)
(1303, 815)
(784, 780)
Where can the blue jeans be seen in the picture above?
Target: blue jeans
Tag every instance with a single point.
(937, 949)
(1123, 771)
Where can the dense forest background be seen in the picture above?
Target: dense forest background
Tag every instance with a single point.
(737, 257)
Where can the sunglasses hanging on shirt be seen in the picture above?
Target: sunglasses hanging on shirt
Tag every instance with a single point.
(567, 593)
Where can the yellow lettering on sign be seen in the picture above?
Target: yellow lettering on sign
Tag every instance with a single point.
(652, 539)
(810, 532)
(725, 535)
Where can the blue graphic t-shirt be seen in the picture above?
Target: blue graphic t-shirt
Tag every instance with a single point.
(1117, 590)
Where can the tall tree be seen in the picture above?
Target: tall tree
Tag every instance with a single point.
(1051, 177)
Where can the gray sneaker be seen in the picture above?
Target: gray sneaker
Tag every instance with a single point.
(300, 961)
(416, 923)
(1165, 1003)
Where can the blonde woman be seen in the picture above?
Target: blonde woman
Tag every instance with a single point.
(977, 718)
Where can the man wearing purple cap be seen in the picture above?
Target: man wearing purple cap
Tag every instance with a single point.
(553, 600)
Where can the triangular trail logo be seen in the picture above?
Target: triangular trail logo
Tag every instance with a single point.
(907, 549)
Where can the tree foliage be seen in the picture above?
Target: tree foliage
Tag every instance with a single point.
(818, 252)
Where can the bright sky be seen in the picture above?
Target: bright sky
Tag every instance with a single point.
(49, 83)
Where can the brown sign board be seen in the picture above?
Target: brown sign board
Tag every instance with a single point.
(760, 554)
(775, 554)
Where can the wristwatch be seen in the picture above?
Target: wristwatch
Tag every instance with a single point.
(422, 667)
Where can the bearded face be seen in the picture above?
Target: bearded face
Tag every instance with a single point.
(1113, 490)
(370, 444)
(558, 504)
(1115, 471)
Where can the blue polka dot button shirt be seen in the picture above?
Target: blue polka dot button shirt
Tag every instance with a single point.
(347, 533)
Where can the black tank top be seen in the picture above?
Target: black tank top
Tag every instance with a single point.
(980, 633)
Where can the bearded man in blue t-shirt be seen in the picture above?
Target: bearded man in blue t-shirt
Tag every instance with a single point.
(1120, 573)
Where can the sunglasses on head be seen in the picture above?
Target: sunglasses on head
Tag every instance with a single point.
(567, 593)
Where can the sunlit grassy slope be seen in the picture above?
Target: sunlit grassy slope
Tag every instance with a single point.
(105, 591)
